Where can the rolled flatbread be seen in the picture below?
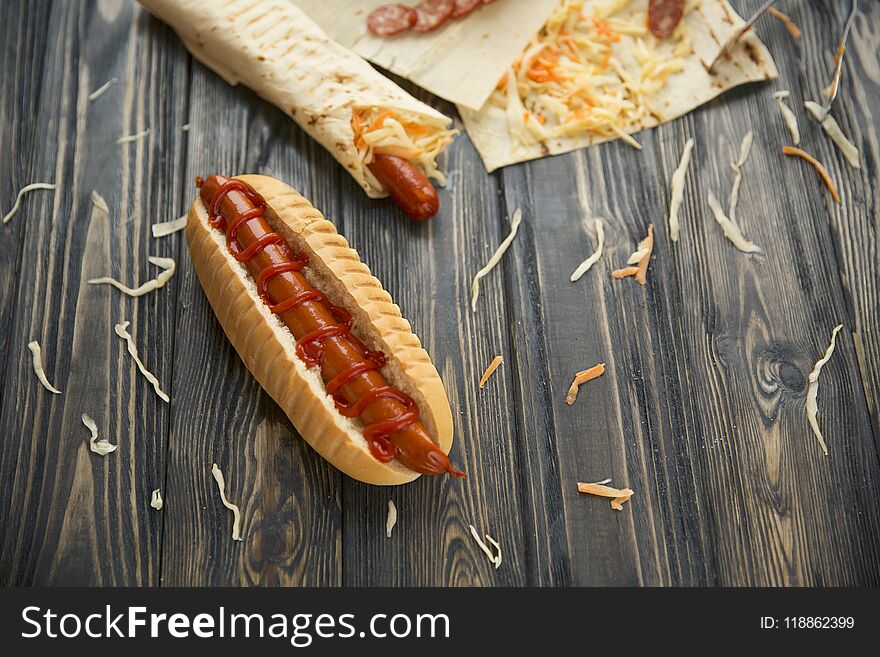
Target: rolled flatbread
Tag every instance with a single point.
(273, 48)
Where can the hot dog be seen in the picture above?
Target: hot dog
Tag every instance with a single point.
(407, 186)
(339, 359)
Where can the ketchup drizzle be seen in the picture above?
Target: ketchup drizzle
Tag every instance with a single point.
(310, 348)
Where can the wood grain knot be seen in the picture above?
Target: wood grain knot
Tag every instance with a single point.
(776, 370)
(777, 379)
(271, 542)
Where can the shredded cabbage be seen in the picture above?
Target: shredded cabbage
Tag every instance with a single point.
(568, 82)
(388, 132)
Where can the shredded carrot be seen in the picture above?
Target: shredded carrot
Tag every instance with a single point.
(611, 36)
(414, 128)
(639, 271)
(357, 128)
(618, 495)
(375, 125)
(502, 82)
(494, 365)
(823, 172)
(625, 272)
(790, 25)
(582, 377)
(539, 75)
(542, 119)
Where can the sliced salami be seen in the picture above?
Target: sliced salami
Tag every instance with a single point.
(664, 16)
(464, 7)
(389, 20)
(431, 14)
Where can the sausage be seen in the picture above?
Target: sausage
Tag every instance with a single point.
(464, 7)
(340, 351)
(388, 20)
(407, 186)
(664, 16)
(431, 14)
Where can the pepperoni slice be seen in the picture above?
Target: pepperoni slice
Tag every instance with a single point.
(388, 20)
(664, 16)
(431, 14)
(464, 7)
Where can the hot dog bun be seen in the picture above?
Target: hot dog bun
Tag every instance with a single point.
(268, 349)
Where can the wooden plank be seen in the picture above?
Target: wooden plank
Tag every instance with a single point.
(612, 430)
(428, 268)
(67, 510)
(22, 58)
(778, 511)
(855, 224)
(289, 496)
(707, 369)
(701, 410)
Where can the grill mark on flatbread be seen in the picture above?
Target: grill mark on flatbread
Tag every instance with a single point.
(752, 53)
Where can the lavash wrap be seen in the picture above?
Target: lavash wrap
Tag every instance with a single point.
(273, 48)
(711, 22)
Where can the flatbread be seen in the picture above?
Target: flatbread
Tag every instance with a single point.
(460, 61)
(272, 47)
(707, 24)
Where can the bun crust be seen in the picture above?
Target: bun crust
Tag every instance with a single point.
(267, 347)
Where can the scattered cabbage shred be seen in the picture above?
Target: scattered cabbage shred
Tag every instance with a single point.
(569, 83)
(496, 257)
(37, 360)
(788, 116)
(745, 150)
(236, 513)
(156, 500)
(24, 190)
(97, 93)
(678, 189)
(730, 229)
(122, 332)
(128, 139)
(168, 266)
(585, 266)
(813, 390)
(832, 129)
(101, 447)
(169, 227)
(391, 520)
(494, 557)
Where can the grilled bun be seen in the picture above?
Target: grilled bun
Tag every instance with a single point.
(267, 347)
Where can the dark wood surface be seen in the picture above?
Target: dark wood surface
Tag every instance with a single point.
(701, 411)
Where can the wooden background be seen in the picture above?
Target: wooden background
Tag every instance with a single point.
(701, 411)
